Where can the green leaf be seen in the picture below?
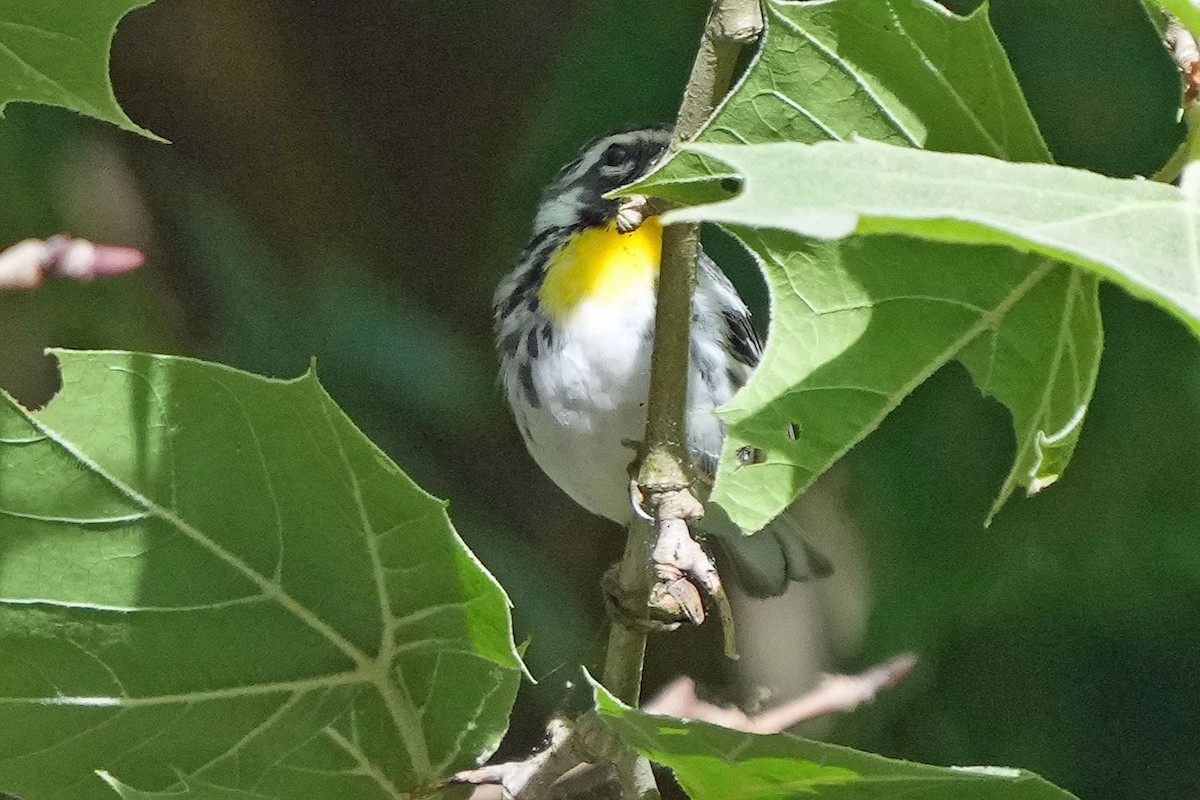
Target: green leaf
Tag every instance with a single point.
(905, 71)
(1141, 234)
(855, 327)
(56, 52)
(715, 763)
(212, 576)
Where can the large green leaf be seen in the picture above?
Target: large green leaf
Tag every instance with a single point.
(902, 71)
(907, 72)
(56, 52)
(1141, 234)
(210, 576)
(715, 763)
(858, 326)
(855, 327)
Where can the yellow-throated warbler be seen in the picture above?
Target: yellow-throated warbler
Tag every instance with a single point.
(574, 327)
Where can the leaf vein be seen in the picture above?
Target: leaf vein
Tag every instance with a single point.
(269, 588)
(850, 72)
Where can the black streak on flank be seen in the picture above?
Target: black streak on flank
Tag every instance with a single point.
(742, 339)
(528, 283)
(535, 255)
(539, 240)
(531, 395)
(531, 342)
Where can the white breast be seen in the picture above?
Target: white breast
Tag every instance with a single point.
(592, 388)
(592, 384)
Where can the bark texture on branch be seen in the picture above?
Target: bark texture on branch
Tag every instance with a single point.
(663, 476)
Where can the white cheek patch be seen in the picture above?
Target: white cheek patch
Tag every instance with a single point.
(559, 211)
(581, 169)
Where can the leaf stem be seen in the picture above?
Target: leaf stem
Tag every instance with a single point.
(663, 466)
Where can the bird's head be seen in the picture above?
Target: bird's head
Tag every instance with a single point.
(576, 197)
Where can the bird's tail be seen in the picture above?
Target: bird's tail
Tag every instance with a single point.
(765, 562)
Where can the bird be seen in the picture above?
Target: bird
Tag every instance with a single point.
(574, 328)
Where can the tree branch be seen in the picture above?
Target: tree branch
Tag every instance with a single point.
(663, 477)
(1186, 53)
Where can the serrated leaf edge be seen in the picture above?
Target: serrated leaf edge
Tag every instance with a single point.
(372, 671)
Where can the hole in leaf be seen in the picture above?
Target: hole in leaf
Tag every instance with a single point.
(793, 431)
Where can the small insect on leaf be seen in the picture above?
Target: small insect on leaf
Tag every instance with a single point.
(750, 455)
(793, 431)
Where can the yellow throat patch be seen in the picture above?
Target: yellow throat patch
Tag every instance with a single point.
(601, 264)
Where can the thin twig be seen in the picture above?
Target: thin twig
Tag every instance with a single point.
(836, 693)
(662, 477)
(26, 264)
(533, 775)
(564, 768)
(580, 759)
(1186, 53)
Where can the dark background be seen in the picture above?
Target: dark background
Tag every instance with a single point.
(349, 180)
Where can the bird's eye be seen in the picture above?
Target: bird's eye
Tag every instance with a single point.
(615, 155)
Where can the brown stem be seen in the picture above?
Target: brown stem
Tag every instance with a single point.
(663, 469)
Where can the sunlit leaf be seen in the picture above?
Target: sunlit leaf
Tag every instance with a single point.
(215, 577)
(56, 52)
(902, 71)
(856, 327)
(1140, 234)
(714, 763)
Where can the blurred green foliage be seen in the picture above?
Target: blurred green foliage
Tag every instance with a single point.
(349, 182)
